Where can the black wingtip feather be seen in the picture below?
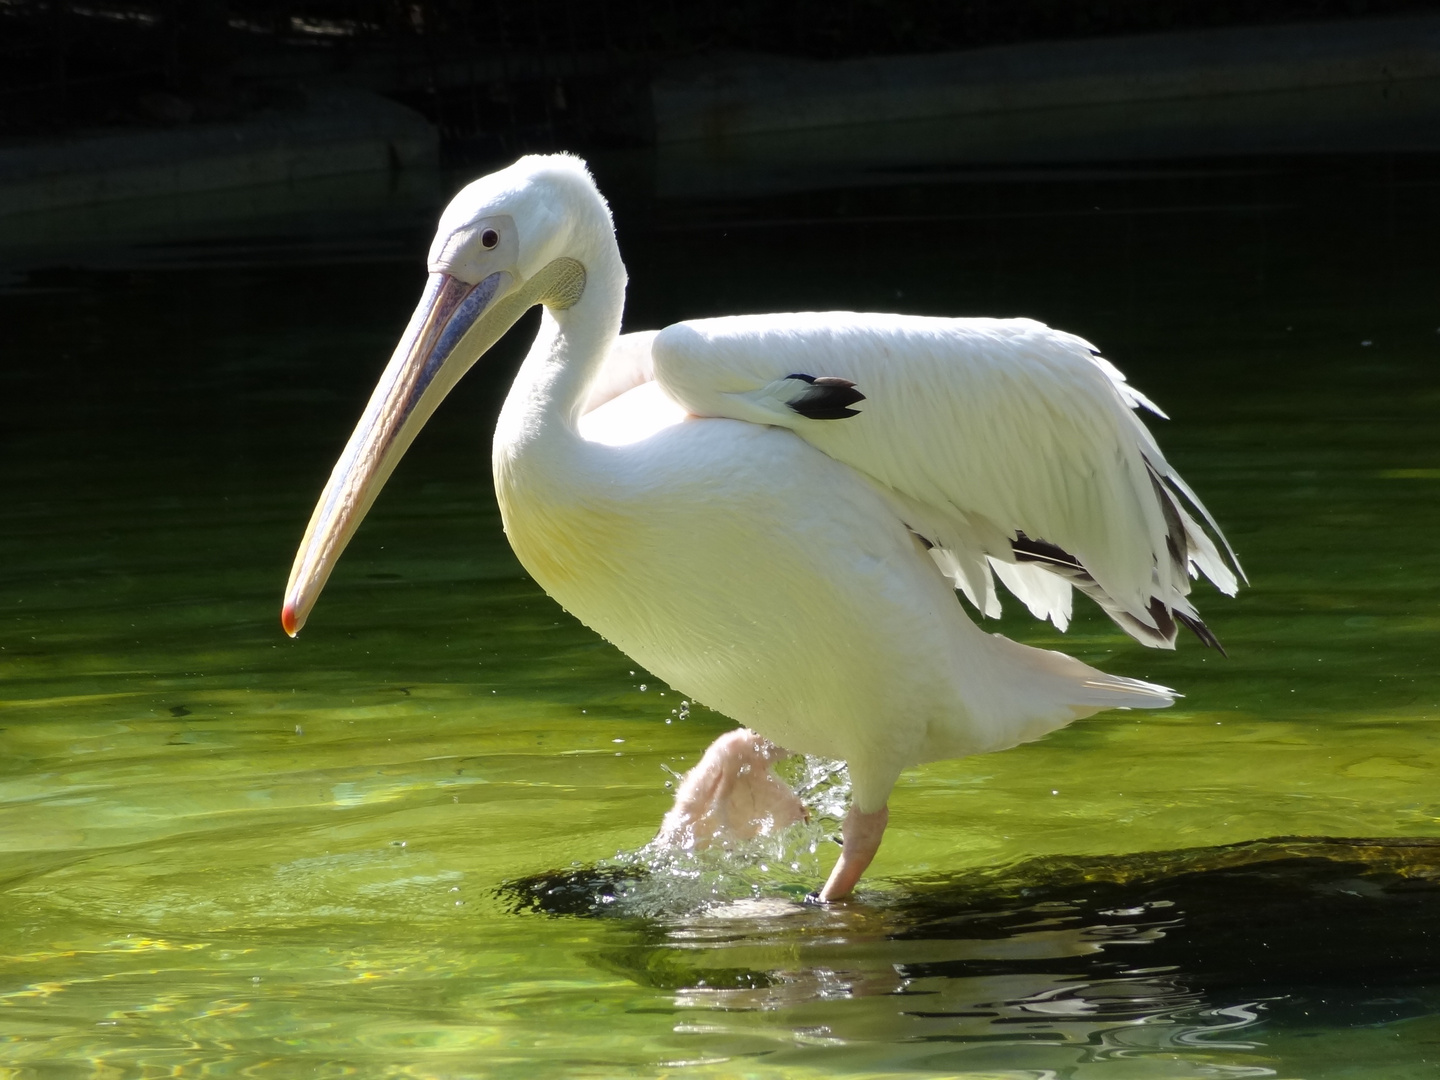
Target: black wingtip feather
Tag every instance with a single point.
(1201, 631)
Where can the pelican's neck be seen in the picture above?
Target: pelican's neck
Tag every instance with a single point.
(544, 403)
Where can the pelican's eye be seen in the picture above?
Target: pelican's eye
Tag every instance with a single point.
(489, 238)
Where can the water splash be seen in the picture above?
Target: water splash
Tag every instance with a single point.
(658, 881)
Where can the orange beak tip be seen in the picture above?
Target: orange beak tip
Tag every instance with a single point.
(287, 619)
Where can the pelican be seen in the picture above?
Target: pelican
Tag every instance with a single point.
(774, 513)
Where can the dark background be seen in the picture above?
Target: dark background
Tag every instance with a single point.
(501, 78)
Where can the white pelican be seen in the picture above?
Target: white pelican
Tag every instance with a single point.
(772, 513)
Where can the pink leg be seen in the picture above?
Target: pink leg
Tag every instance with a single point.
(731, 795)
(860, 835)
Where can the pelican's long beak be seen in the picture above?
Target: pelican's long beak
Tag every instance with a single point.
(452, 327)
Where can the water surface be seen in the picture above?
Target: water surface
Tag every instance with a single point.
(227, 853)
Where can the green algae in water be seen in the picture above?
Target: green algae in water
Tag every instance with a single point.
(226, 853)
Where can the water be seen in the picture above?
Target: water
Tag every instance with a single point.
(390, 847)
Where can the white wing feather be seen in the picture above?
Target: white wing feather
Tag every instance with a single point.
(985, 433)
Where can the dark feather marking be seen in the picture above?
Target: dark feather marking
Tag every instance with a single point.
(1164, 620)
(1141, 632)
(1027, 550)
(1207, 523)
(1061, 562)
(1175, 556)
(924, 540)
(1175, 540)
(1179, 546)
(1201, 631)
(826, 398)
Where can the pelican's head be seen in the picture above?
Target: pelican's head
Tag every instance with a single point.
(523, 236)
(519, 220)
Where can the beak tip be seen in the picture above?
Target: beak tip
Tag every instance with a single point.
(288, 620)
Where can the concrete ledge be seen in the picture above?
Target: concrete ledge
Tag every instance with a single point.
(740, 96)
(338, 131)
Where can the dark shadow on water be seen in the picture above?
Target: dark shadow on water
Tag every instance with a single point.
(1294, 933)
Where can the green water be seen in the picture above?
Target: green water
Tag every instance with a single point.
(373, 851)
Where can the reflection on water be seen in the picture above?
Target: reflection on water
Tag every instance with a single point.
(226, 853)
(1064, 964)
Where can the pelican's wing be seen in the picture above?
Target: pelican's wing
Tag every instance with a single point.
(1009, 448)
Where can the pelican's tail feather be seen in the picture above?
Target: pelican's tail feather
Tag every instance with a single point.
(1050, 689)
(1118, 692)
